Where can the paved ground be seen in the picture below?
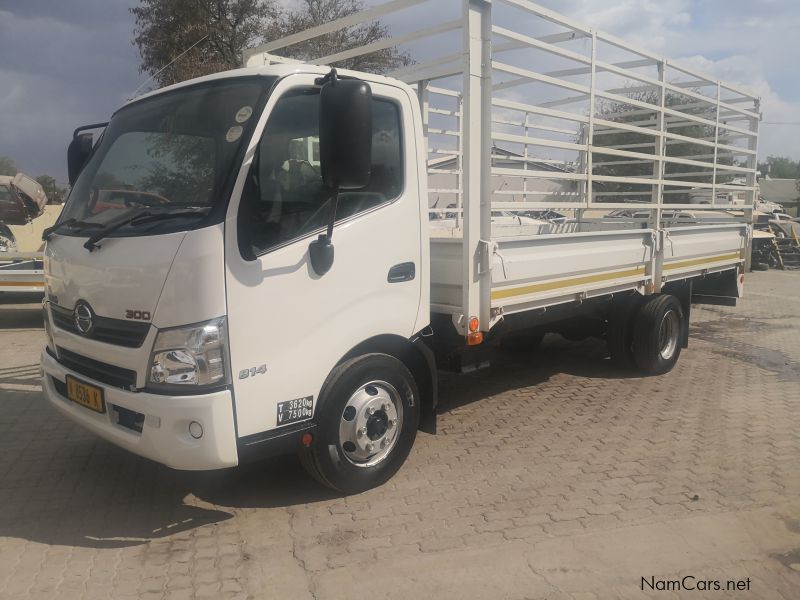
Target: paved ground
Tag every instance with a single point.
(553, 476)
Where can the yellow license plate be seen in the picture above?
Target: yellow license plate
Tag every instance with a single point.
(85, 394)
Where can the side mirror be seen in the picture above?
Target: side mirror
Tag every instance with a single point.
(345, 150)
(345, 133)
(78, 152)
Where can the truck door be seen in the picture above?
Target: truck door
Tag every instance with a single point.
(288, 327)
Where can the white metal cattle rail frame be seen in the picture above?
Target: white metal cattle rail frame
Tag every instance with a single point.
(616, 126)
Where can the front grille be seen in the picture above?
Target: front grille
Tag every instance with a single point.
(111, 331)
(99, 371)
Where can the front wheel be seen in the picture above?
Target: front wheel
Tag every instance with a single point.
(658, 334)
(368, 418)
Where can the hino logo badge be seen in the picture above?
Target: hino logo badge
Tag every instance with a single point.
(83, 316)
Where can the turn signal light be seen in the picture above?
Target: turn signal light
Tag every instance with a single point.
(308, 439)
(475, 339)
(474, 324)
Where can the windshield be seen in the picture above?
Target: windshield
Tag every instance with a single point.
(168, 153)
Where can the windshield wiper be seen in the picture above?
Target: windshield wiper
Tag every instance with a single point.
(141, 218)
(49, 231)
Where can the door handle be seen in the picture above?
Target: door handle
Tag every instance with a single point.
(403, 272)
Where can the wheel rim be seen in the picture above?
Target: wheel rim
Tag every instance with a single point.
(668, 335)
(370, 424)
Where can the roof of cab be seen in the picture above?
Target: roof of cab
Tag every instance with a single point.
(276, 70)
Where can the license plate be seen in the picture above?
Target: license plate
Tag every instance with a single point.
(86, 395)
(292, 411)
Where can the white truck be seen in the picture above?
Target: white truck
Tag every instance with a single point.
(245, 265)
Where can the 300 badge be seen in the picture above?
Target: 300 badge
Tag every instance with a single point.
(292, 411)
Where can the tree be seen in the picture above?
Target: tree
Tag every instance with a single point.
(7, 166)
(207, 36)
(318, 12)
(780, 167)
(643, 143)
(200, 36)
(55, 194)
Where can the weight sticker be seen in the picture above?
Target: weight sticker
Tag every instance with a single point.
(292, 411)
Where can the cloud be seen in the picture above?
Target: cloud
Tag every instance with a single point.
(64, 65)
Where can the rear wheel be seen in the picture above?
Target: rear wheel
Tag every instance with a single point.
(368, 419)
(657, 334)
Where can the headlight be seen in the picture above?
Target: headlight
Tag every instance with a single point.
(193, 355)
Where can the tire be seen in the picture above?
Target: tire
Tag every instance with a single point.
(760, 266)
(657, 334)
(342, 456)
(619, 334)
(524, 341)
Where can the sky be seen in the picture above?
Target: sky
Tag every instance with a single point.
(69, 63)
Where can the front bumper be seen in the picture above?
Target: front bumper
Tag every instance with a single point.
(164, 435)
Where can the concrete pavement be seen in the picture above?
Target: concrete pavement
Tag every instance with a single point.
(552, 476)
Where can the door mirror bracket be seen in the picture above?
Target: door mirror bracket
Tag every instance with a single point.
(320, 251)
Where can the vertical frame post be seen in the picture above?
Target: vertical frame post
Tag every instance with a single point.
(526, 131)
(477, 192)
(659, 174)
(752, 181)
(716, 149)
(590, 130)
(423, 96)
(460, 162)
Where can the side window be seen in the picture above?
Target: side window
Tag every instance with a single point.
(285, 198)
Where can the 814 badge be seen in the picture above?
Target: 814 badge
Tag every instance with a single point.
(292, 411)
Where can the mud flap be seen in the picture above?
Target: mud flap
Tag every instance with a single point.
(719, 289)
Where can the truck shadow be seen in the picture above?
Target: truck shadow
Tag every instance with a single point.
(513, 370)
(60, 485)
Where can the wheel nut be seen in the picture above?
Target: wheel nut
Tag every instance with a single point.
(384, 441)
(362, 432)
(385, 407)
(391, 423)
(371, 410)
(369, 447)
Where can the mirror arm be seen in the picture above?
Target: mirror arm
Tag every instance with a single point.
(320, 251)
(332, 220)
(88, 127)
(331, 77)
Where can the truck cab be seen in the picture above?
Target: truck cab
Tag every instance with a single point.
(186, 321)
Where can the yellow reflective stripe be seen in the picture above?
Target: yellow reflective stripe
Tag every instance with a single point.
(702, 261)
(564, 283)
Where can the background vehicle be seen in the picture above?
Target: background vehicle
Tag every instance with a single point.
(280, 304)
(22, 200)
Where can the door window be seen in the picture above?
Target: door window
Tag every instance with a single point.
(285, 198)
